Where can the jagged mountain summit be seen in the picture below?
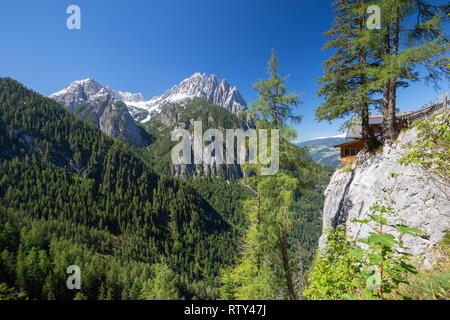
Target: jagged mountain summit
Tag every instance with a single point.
(103, 107)
(207, 87)
(220, 93)
(83, 90)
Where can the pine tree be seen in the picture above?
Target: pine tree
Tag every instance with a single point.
(368, 62)
(405, 47)
(346, 80)
(275, 104)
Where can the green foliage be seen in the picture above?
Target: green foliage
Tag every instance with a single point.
(162, 286)
(80, 296)
(345, 270)
(345, 82)
(424, 43)
(267, 216)
(248, 282)
(306, 228)
(7, 293)
(367, 64)
(431, 150)
(274, 105)
(431, 284)
(393, 265)
(264, 269)
(336, 270)
(226, 197)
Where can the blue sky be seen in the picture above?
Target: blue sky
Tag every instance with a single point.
(149, 46)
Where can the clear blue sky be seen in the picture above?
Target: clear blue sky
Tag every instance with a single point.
(149, 46)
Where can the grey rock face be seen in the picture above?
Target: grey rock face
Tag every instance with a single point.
(112, 117)
(381, 179)
(227, 172)
(174, 116)
(104, 107)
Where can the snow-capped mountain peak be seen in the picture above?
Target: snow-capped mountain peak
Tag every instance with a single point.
(197, 85)
(83, 90)
(206, 87)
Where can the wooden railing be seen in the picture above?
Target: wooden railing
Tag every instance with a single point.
(427, 110)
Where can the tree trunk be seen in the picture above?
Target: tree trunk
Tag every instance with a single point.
(300, 283)
(386, 91)
(287, 269)
(258, 218)
(367, 133)
(392, 127)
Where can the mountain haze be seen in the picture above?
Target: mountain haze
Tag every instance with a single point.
(322, 150)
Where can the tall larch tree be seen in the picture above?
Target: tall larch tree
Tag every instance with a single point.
(269, 214)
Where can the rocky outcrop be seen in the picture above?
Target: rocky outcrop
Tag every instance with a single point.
(183, 116)
(381, 179)
(104, 107)
(227, 172)
(112, 117)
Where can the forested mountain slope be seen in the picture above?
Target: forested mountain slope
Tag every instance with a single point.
(174, 116)
(71, 195)
(323, 151)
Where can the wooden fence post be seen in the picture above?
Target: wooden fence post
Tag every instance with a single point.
(444, 100)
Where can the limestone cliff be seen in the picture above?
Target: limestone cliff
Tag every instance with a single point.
(111, 116)
(380, 179)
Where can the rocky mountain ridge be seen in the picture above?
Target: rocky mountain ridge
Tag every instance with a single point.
(103, 107)
(83, 90)
(220, 93)
(206, 87)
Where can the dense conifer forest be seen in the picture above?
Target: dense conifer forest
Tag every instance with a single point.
(71, 195)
